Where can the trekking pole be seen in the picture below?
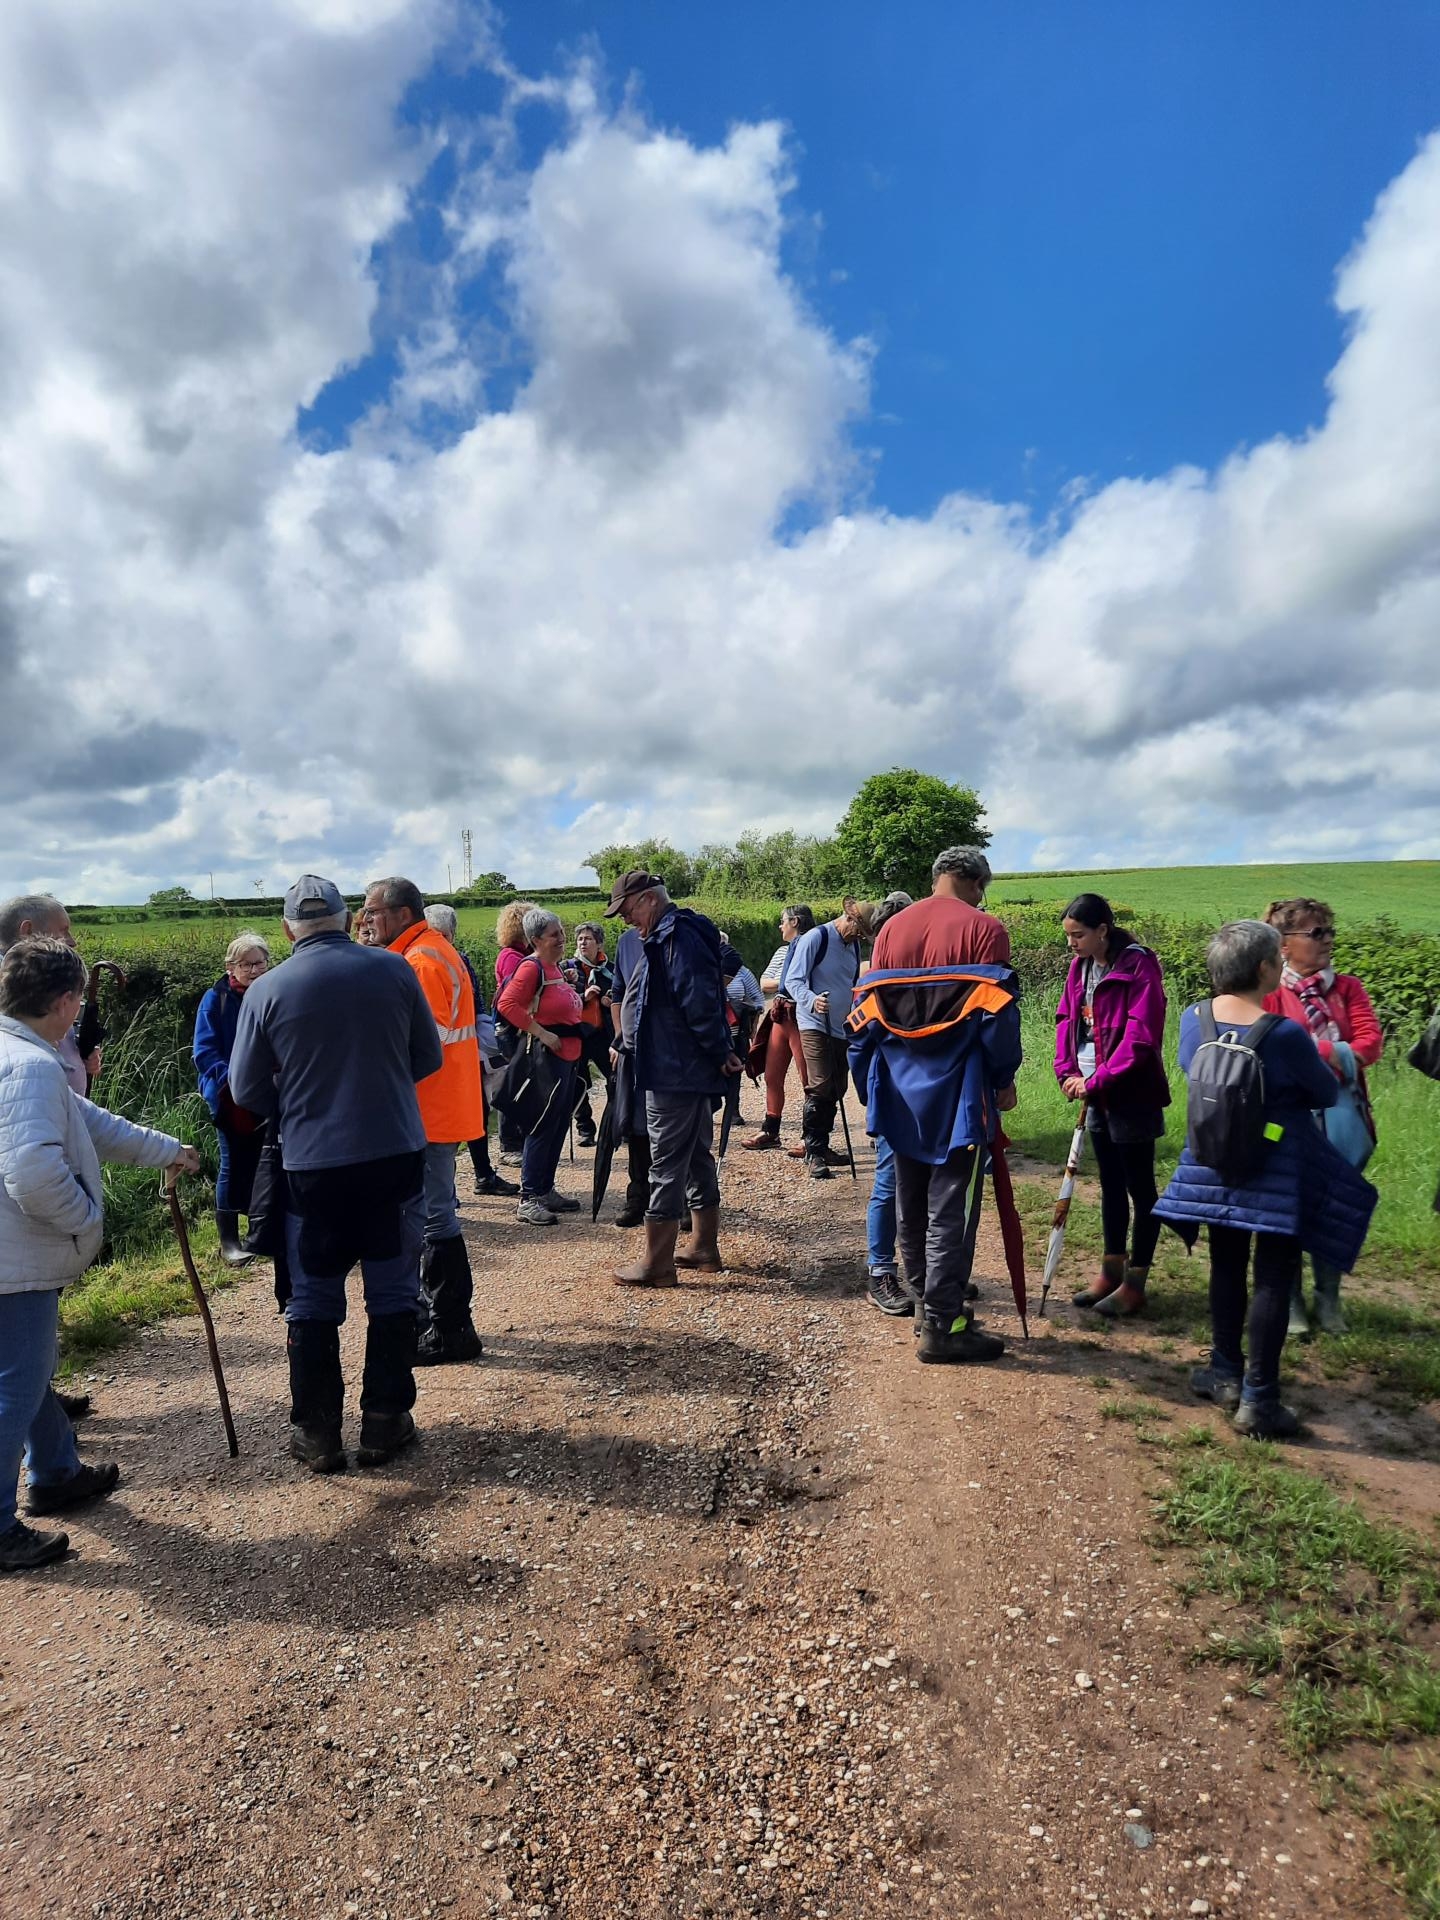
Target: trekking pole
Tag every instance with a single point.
(850, 1151)
(177, 1220)
(572, 1138)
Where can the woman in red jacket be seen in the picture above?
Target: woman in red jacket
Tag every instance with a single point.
(1336, 1012)
(1109, 1029)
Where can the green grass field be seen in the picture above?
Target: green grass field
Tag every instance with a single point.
(1406, 891)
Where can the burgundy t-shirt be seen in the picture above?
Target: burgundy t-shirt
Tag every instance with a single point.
(941, 932)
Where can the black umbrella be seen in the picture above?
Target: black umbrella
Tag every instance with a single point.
(604, 1154)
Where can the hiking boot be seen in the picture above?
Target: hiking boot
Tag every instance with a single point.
(885, 1293)
(817, 1167)
(317, 1394)
(797, 1153)
(768, 1136)
(956, 1344)
(382, 1435)
(1217, 1384)
(74, 1406)
(319, 1448)
(22, 1548)
(85, 1483)
(446, 1331)
(632, 1214)
(1266, 1420)
(494, 1183)
(584, 1138)
(656, 1267)
(533, 1213)
(511, 1156)
(559, 1202)
(1110, 1279)
(387, 1386)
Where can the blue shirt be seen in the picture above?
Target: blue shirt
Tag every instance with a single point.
(809, 973)
(334, 1041)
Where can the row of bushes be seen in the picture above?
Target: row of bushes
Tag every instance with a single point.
(1401, 970)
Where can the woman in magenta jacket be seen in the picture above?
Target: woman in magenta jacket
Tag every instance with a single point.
(1109, 1030)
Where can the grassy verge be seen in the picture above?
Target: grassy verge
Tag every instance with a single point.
(1328, 1610)
(110, 1302)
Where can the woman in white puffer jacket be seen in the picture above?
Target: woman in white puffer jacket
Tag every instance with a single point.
(51, 1225)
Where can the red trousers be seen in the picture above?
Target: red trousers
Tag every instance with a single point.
(781, 1047)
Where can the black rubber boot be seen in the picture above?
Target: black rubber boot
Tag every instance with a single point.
(231, 1251)
(317, 1394)
(955, 1345)
(387, 1389)
(447, 1333)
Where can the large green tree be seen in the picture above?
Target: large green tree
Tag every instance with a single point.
(898, 822)
(651, 856)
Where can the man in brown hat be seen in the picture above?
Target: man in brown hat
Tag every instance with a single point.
(674, 1028)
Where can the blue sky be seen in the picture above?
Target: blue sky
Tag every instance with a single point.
(1085, 243)
(590, 421)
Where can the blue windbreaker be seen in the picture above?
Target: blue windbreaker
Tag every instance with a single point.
(930, 1047)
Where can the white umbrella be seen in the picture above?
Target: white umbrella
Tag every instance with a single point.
(1062, 1209)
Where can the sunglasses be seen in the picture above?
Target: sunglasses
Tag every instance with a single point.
(1314, 933)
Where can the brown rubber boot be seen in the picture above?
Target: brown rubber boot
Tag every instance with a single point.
(657, 1269)
(1127, 1299)
(1110, 1279)
(701, 1253)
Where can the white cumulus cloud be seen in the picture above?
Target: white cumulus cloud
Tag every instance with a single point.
(632, 581)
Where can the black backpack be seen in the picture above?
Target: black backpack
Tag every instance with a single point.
(1226, 1109)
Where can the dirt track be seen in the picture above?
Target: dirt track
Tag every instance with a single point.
(711, 1602)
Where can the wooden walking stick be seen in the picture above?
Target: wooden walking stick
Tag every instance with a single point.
(178, 1221)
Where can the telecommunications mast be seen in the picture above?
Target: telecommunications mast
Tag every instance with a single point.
(467, 850)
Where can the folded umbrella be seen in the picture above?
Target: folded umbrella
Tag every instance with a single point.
(1062, 1210)
(604, 1155)
(1012, 1232)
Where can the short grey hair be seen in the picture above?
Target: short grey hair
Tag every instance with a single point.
(538, 921)
(247, 942)
(34, 907)
(967, 863)
(327, 923)
(591, 927)
(35, 976)
(443, 919)
(1238, 952)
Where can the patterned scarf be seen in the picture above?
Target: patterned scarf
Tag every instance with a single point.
(1311, 989)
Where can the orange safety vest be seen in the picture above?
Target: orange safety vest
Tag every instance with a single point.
(450, 1101)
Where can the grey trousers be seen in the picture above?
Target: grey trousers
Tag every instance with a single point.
(939, 1219)
(681, 1127)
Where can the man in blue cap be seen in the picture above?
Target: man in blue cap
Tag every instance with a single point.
(334, 1042)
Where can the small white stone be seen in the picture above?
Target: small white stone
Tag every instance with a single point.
(1084, 1682)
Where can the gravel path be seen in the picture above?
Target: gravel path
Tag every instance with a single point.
(702, 1603)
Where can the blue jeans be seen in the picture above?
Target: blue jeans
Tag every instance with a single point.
(391, 1286)
(239, 1157)
(880, 1215)
(32, 1423)
(442, 1209)
(541, 1155)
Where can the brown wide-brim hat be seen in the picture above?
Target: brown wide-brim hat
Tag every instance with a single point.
(627, 886)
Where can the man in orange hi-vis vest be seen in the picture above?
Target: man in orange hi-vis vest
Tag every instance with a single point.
(450, 1107)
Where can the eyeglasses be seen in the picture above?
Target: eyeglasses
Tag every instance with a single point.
(1314, 933)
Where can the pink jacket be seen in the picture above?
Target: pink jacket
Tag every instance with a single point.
(1351, 1011)
(1129, 1029)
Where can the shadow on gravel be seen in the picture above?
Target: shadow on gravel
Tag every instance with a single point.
(375, 1572)
(695, 1363)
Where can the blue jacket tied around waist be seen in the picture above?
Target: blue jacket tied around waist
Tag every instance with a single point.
(1304, 1188)
(930, 1047)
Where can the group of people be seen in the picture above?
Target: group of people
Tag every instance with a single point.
(344, 1084)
